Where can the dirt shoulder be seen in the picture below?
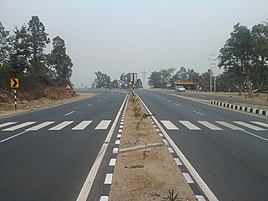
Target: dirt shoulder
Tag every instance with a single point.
(145, 169)
(7, 107)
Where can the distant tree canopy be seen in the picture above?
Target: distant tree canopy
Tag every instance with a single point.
(244, 57)
(22, 54)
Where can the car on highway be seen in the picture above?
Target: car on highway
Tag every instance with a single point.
(179, 88)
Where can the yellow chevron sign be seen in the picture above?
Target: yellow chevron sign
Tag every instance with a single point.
(14, 83)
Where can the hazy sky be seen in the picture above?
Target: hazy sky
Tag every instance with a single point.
(122, 36)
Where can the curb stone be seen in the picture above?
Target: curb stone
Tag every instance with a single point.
(240, 108)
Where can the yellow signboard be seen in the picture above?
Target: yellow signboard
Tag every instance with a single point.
(190, 83)
(14, 83)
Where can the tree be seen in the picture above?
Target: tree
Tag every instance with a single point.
(138, 84)
(114, 84)
(155, 79)
(162, 78)
(236, 55)
(60, 62)
(37, 41)
(4, 44)
(260, 55)
(194, 77)
(102, 80)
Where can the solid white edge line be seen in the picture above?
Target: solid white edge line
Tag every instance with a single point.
(201, 183)
(93, 171)
(9, 138)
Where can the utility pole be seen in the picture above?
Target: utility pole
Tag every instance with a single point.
(213, 61)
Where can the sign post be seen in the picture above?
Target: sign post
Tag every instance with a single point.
(133, 79)
(68, 90)
(14, 84)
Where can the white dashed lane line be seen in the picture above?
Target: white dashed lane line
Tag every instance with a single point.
(69, 113)
(198, 113)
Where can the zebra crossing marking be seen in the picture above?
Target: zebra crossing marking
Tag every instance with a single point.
(103, 125)
(169, 125)
(19, 126)
(231, 126)
(39, 126)
(210, 126)
(60, 126)
(82, 125)
(256, 128)
(7, 124)
(189, 125)
(260, 123)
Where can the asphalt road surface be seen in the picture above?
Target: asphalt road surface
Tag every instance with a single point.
(228, 149)
(46, 155)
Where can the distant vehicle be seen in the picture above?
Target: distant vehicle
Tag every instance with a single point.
(179, 88)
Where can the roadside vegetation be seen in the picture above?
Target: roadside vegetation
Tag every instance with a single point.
(23, 55)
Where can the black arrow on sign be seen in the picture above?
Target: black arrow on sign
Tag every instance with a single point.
(14, 83)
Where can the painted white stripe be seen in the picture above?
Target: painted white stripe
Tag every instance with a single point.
(89, 105)
(204, 187)
(103, 125)
(188, 178)
(94, 169)
(121, 126)
(189, 125)
(99, 100)
(117, 141)
(170, 150)
(18, 126)
(177, 104)
(119, 135)
(7, 124)
(169, 101)
(39, 126)
(112, 162)
(60, 126)
(231, 126)
(115, 150)
(108, 179)
(198, 113)
(9, 138)
(69, 113)
(169, 125)
(106, 198)
(256, 128)
(120, 131)
(82, 125)
(260, 123)
(178, 161)
(210, 126)
(200, 198)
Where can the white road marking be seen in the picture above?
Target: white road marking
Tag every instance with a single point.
(108, 179)
(204, 187)
(69, 113)
(260, 123)
(198, 113)
(210, 126)
(188, 178)
(177, 104)
(7, 124)
(169, 101)
(170, 150)
(112, 162)
(89, 105)
(117, 142)
(106, 198)
(13, 128)
(262, 138)
(200, 198)
(178, 161)
(231, 126)
(256, 128)
(82, 125)
(189, 125)
(39, 126)
(93, 171)
(9, 138)
(99, 100)
(103, 125)
(115, 150)
(169, 125)
(60, 126)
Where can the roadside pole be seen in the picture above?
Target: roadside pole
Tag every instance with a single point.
(14, 84)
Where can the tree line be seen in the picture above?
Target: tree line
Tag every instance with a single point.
(22, 54)
(244, 59)
(124, 82)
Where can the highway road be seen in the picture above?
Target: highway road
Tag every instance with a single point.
(47, 154)
(228, 149)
